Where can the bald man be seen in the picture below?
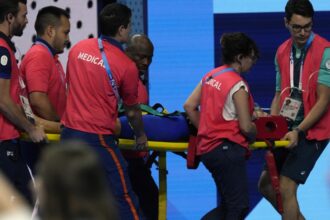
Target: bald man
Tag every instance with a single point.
(140, 49)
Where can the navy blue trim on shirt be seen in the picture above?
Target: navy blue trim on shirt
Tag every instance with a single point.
(8, 41)
(113, 42)
(5, 63)
(5, 76)
(50, 48)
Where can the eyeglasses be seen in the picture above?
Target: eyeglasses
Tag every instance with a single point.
(254, 58)
(297, 28)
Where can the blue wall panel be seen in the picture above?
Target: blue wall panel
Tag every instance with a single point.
(268, 31)
(182, 33)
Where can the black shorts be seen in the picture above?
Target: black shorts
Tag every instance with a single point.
(14, 168)
(298, 162)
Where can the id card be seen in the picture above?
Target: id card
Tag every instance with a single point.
(27, 108)
(21, 83)
(290, 108)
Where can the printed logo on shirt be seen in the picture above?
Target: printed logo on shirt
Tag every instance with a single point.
(214, 83)
(91, 59)
(327, 64)
(4, 60)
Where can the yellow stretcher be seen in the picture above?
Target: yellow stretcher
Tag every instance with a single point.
(162, 147)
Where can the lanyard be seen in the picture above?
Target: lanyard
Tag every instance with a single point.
(229, 69)
(57, 63)
(112, 81)
(308, 44)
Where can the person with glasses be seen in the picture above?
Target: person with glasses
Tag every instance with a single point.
(302, 96)
(221, 107)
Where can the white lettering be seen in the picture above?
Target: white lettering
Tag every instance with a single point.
(214, 83)
(100, 63)
(80, 56)
(91, 59)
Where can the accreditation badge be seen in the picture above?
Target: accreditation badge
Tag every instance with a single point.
(21, 83)
(26, 107)
(25, 101)
(290, 108)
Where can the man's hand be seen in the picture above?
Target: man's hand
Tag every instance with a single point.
(292, 137)
(37, 134)
(257, 113)
(141, 143)
(134, 116)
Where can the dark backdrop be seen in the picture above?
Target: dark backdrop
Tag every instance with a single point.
(268, 31)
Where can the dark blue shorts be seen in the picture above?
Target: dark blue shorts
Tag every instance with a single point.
(298, 162)
(14, 167)
(31, 153)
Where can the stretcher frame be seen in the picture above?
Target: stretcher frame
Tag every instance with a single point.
(163, 147)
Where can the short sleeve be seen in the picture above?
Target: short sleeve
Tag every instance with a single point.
(229, 110)
(37, 69)
(324, 74)
(5, 63)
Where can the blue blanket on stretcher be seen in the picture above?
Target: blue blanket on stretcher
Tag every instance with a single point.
(167, 129)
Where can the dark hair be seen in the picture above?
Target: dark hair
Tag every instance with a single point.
(300, 7)
(112, 17)
(233, 44)
(50, 15)
(74, 184)
(9, 6)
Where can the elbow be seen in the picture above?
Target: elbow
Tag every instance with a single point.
(189, 107)
(186, 107)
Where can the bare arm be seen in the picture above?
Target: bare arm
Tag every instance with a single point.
(241, 102)
(134, 116)
(41, 104)
(275, 106)
(51, 127)
(12, 112)
(192, 103)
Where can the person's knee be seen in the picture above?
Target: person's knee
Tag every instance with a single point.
(288, 188)
(264, 185)
(286, 192)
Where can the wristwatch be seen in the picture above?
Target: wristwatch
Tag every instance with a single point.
(298, 130)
